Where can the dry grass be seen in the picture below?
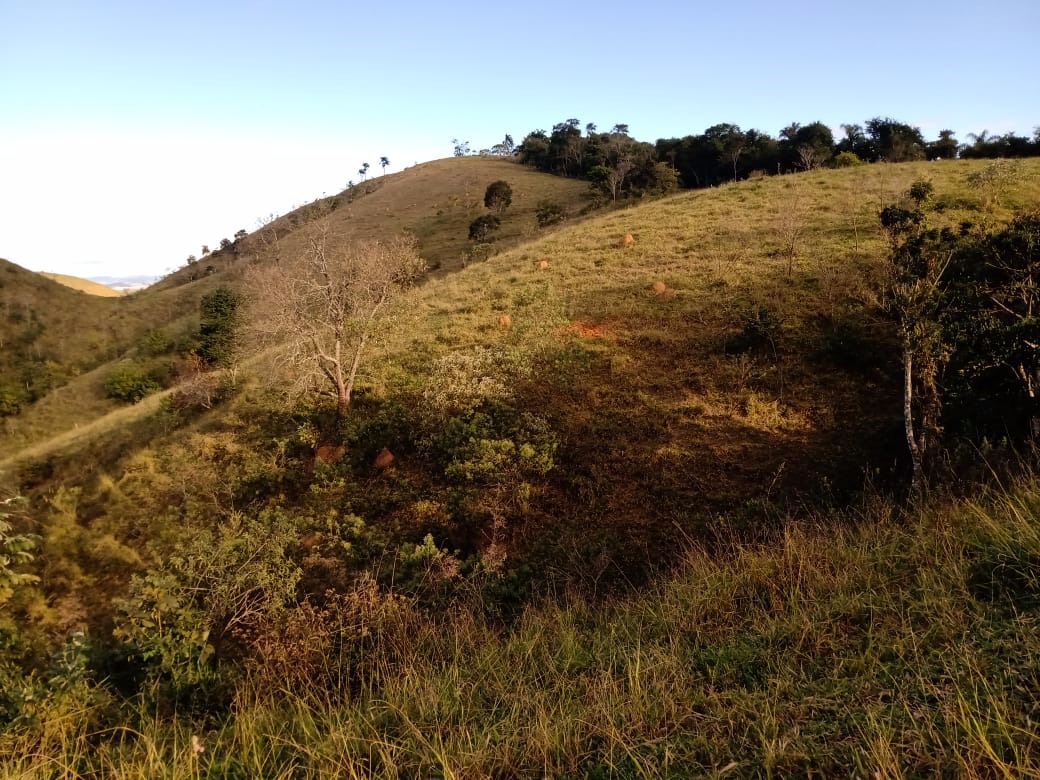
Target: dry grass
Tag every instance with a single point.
(663, 401)
(864, 646)
(83, 285)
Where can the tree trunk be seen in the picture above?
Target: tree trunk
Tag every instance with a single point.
(917, 480)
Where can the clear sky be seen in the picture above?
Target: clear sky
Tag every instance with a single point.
(131, 133)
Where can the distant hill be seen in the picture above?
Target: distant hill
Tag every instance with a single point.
(91, 287)
(125, 284)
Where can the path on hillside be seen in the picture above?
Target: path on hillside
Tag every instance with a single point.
(66, 439)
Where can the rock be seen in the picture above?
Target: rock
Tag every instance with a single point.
(628, 240)
(660, 287)
(505, 321)
(543, 264)
(384, 459)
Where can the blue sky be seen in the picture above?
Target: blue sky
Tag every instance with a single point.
(131, 133)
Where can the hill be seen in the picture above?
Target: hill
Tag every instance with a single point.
(435, 202)
(673, 395)
(83, 285)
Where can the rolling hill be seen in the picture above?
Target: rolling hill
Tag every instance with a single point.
(613, 499)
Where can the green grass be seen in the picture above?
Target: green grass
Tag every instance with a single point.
(873, 644)
(859, 644)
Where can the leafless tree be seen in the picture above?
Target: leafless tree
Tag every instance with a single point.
(618, 174)
(317, 315)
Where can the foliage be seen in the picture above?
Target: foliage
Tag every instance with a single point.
(16, 551)
(498, 196)
(482, 227)
(215, 585)
(154, 342)
(995, 179)
(549, 212)
(847, 160)
(130, 382)
(219, 327)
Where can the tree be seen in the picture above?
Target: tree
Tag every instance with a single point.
(320, 313)
(611, 180)
(384, 161)
(808, 146)
(894, 141)
(461, 147)
(363, 171)
(914, 299)
(498, 196)
(219, 321)
(945, 148)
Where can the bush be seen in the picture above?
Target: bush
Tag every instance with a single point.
(130, 383)
(498, 196)
(154, 342)
(549, 212)
(482, 227)
(760, 329)
(847, 160)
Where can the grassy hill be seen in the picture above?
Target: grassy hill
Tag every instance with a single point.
(573, 418)
(83, 285)
(435, 202)
(63, 341)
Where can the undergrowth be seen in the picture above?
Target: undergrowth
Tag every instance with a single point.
(876, 644)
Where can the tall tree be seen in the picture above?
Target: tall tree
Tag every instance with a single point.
(384, 162)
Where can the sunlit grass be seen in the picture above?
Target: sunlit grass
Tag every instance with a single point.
(860, 645)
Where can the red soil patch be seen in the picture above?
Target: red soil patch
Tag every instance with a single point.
(588, 329)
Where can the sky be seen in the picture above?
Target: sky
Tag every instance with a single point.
(132, 133)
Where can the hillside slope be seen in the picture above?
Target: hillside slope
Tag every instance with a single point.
(727, 356)
(673, 395)
(83, 285)
(434, 201)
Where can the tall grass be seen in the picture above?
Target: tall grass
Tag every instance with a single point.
(876, 644)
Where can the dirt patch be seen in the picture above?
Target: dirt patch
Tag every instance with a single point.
(588, 329)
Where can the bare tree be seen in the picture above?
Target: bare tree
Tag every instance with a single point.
(319, 314)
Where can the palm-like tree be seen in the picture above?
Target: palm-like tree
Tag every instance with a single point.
(384, 162)
(363, 170)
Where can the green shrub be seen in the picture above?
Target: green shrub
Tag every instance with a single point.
(154, 342)
(481, 228)
(549, 212)
(129, 382)
(498, 196)
(847, 160)
(218, 330)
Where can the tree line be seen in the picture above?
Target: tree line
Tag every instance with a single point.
(622, 166)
